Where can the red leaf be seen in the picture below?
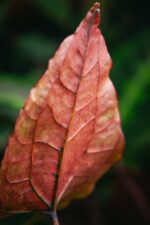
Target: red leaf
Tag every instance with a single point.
(68, 133)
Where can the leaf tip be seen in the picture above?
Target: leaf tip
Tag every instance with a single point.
(95, 10)
(95, 7)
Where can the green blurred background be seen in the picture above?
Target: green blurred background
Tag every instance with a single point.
(30, 33)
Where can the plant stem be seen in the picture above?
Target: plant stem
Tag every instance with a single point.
(54, 218)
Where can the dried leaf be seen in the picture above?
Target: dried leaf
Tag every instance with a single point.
(68, 134)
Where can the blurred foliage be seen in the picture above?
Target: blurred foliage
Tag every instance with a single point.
(30, 32)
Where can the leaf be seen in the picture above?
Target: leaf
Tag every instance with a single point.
(68, 133)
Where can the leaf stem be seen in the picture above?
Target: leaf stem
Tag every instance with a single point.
(54, 218)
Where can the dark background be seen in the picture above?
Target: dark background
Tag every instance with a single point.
(30, 32)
